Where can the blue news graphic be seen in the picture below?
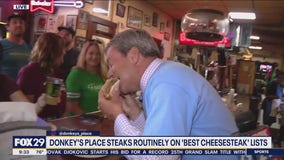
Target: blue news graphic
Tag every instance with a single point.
(278, 151)
(72, 133)
(29, 142)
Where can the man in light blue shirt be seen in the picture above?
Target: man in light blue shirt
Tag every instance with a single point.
(177, 101)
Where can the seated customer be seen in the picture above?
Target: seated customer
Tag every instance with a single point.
(85, 80)
(46, 57)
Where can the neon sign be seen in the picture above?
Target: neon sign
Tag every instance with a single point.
(46, 5)
(223, 43)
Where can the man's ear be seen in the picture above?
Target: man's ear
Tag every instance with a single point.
(133, 55)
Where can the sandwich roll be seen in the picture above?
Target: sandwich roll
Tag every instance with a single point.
(109, 87)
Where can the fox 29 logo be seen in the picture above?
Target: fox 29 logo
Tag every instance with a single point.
(29, 142)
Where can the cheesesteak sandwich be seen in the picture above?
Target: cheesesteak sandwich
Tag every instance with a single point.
(109, 86)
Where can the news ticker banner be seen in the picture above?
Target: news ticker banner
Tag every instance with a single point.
(86, 142)
(43, 152)
(89, 143)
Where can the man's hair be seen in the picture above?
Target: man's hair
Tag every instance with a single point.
(67, 28)
(139, 38)
(15, 15)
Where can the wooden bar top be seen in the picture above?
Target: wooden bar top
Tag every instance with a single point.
(94, 121)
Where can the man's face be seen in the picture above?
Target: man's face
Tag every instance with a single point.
(16, 27)
(67, 36)
(123, 68)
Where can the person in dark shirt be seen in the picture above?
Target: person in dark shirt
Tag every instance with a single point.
(9, 90)
(72, 53)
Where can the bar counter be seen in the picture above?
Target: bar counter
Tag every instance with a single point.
(94, 121)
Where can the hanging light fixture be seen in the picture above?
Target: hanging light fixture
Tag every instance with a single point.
(205, 25)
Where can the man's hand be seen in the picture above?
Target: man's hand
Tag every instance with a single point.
(130, 106)
(111, 107)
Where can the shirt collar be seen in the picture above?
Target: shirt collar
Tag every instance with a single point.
(149, 72)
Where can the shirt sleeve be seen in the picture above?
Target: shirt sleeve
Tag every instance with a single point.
(139, 122)
(73, 86)
(125, 127)
(9, 85)
(24, 82)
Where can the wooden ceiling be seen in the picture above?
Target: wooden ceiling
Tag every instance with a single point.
(269, 23)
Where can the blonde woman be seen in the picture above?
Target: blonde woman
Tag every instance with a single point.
(86, 78)
(46, 57)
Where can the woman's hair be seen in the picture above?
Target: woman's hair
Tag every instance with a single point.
(47, 51)
(139, 38)
(81, 63)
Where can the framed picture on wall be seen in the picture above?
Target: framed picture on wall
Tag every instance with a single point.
(167, 36)
(40, 22)
(82, 20)
(168, 23)
(59, 20)
(147, 20)
(51, 24)
(89, 1)
(71, 21)
(155, 19)
(162, 27)
(120, 10)
(134, 18)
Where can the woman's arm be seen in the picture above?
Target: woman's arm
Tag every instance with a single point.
(73, 107)
(19, 96)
